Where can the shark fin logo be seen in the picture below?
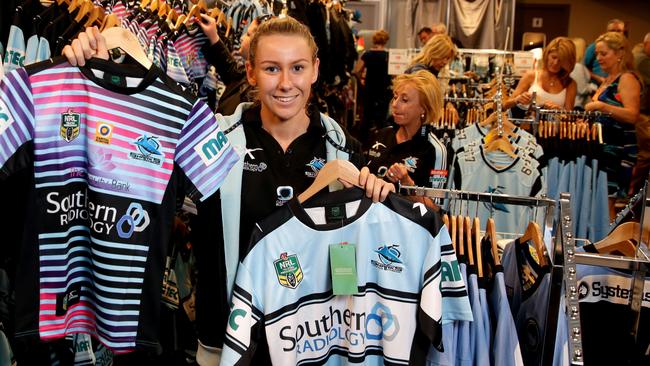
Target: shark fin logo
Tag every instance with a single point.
(491, 206)
(411, 163)
(390, 258)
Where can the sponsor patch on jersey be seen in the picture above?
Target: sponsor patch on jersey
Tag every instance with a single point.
(5, 117)
(148, 150)
(316, 164)
(103, 133)
(249, 165)
(70, 125)
(389, 258)
(411, 163)
(288, 270)
(438, 177)
(212, 146)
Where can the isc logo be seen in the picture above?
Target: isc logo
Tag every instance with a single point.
(212, 147)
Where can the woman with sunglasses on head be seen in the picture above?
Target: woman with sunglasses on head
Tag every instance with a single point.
(553, 86)
(283, 141)
(620, 96)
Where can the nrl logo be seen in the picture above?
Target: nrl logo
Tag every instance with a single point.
(70, 123)
(288, 270)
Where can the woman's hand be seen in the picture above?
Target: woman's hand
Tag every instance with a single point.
(398, 173)
(88, 44)
(209, 26)
(375, 188)
(524, 98)
(595, 106)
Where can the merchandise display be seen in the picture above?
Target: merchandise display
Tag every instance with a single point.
(292, 182)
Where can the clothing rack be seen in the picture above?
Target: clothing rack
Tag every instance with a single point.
(468, 100)
(580, 114)
(629, 206)
(566, 258)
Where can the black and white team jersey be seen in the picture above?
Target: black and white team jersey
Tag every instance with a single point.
(111, 146)
(424, 156)
(607, 320)
(408, 279)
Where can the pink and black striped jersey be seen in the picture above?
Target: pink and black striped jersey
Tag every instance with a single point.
(111, 145)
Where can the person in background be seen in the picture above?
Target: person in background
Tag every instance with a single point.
(232, 73)
(597, 73)
(642, 65)
(581, 75)
(283, 141)
(434, 56)
(424, 35)
(619, 95)
(377, 91)
(552, 84)
(441, 28)
(409, 152)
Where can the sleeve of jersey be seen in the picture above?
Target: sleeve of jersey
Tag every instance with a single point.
(444, 295)
(16, 117)
(204, 152)
(244, 323)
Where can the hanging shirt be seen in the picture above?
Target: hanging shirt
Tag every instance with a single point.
(478, 171)
(607, 320)
(505, 348)
(406, 286)
(527, 287)
(110, 153)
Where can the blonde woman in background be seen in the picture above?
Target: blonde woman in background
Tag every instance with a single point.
(409, 152)
(553, 84)
(434, 56)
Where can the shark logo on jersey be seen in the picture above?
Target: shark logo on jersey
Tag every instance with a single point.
(491, 206)
(288, 270)
(388, 255)
(411, 163)
(316, 164)
(70, 125)
(149, 148)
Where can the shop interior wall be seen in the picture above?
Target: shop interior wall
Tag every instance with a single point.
(589, 17)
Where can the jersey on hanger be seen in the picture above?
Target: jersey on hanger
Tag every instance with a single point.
(109, 153)
(408, 279)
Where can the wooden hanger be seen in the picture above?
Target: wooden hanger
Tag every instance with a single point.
(85, 8)
(469, 245)
(534, 233)
(476, 236)
(502, 144)
(460, 238)
(491, 232)
(96, 13)
(331, 172)
(144, 3)
(117, 37)
(621, 240)
(452, 231)
(74, 4)
(180, 21)
(110, 21)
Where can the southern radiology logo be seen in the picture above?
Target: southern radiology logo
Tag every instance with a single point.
(288, 270)
(331, 327)
(70, 125)
(102, 219)
(389, 258)
(316, 164)
(149, 150)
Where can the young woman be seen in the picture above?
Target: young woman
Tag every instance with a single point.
(553, 84)
(411, 154)
(282, 140)
(620, 95)
(435, 55)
